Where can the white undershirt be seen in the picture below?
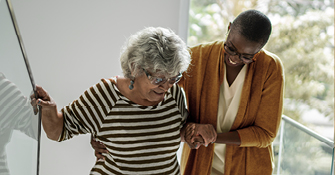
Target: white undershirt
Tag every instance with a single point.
(229, 101)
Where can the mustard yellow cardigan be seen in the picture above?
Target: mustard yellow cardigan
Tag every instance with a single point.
(258, 117)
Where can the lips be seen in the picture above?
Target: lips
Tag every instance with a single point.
(159, 93)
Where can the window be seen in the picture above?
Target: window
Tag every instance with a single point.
(303, 37)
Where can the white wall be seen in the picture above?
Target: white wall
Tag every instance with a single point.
(71, 44)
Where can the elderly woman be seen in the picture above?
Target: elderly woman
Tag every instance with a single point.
(138, 117)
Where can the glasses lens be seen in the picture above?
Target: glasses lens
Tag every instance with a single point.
(247, 59)
(229, 50)
(175, 79)
(157, 80)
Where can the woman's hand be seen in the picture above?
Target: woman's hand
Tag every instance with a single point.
(43, 99)
(193, 141)
(99, 148)
(206, 131)
(52, 120)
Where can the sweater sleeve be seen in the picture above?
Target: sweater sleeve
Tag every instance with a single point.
(86, 114)
(179, 96)
(269, 110)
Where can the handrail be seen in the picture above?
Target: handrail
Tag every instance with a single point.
(310, 132)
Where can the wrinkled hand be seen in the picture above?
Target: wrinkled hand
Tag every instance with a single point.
(99, 148)
(193, 141)
(206, 131)
(52, 120)
(42, 98)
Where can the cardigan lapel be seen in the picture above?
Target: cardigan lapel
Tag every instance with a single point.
(244, 101)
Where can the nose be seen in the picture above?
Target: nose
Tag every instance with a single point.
(236, 58)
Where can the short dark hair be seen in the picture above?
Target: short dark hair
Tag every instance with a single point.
(253, 25)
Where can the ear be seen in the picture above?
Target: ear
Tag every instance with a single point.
(229, 25)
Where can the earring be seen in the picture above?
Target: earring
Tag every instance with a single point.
(131, 86)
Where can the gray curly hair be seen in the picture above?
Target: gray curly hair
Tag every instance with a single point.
(157, 49)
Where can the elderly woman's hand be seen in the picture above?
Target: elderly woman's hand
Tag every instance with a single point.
(42, 98)
(52, 119)
(206, 131)
(193, 141)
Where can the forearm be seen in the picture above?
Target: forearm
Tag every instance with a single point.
(231, 138)
(52, 124)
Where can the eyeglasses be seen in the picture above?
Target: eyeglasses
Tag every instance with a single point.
(158, 80)
(245, 59)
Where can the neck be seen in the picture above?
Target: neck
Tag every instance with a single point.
(232, 72)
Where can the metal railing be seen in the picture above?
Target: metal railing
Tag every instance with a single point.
(306, 130)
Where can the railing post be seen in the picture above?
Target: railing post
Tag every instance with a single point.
(280, 145)
(333, 162)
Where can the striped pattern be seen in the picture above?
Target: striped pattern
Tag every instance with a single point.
(140, 139)
(16, 113)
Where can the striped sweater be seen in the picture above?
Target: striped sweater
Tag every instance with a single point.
(140, 139)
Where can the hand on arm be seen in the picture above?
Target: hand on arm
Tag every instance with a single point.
(196, 135)
(52, 120)
(187, 135)
(99, 148)
(206, 131)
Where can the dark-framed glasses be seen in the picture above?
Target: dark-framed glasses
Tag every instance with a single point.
(246, 59)
(161, 80)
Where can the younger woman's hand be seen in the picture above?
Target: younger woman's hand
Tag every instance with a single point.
(193, 141)
(99, 148)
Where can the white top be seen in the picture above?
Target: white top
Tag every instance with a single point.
(227, 109)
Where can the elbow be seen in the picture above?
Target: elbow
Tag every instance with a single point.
(256, 137)
(266, 140)
(266, 143)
